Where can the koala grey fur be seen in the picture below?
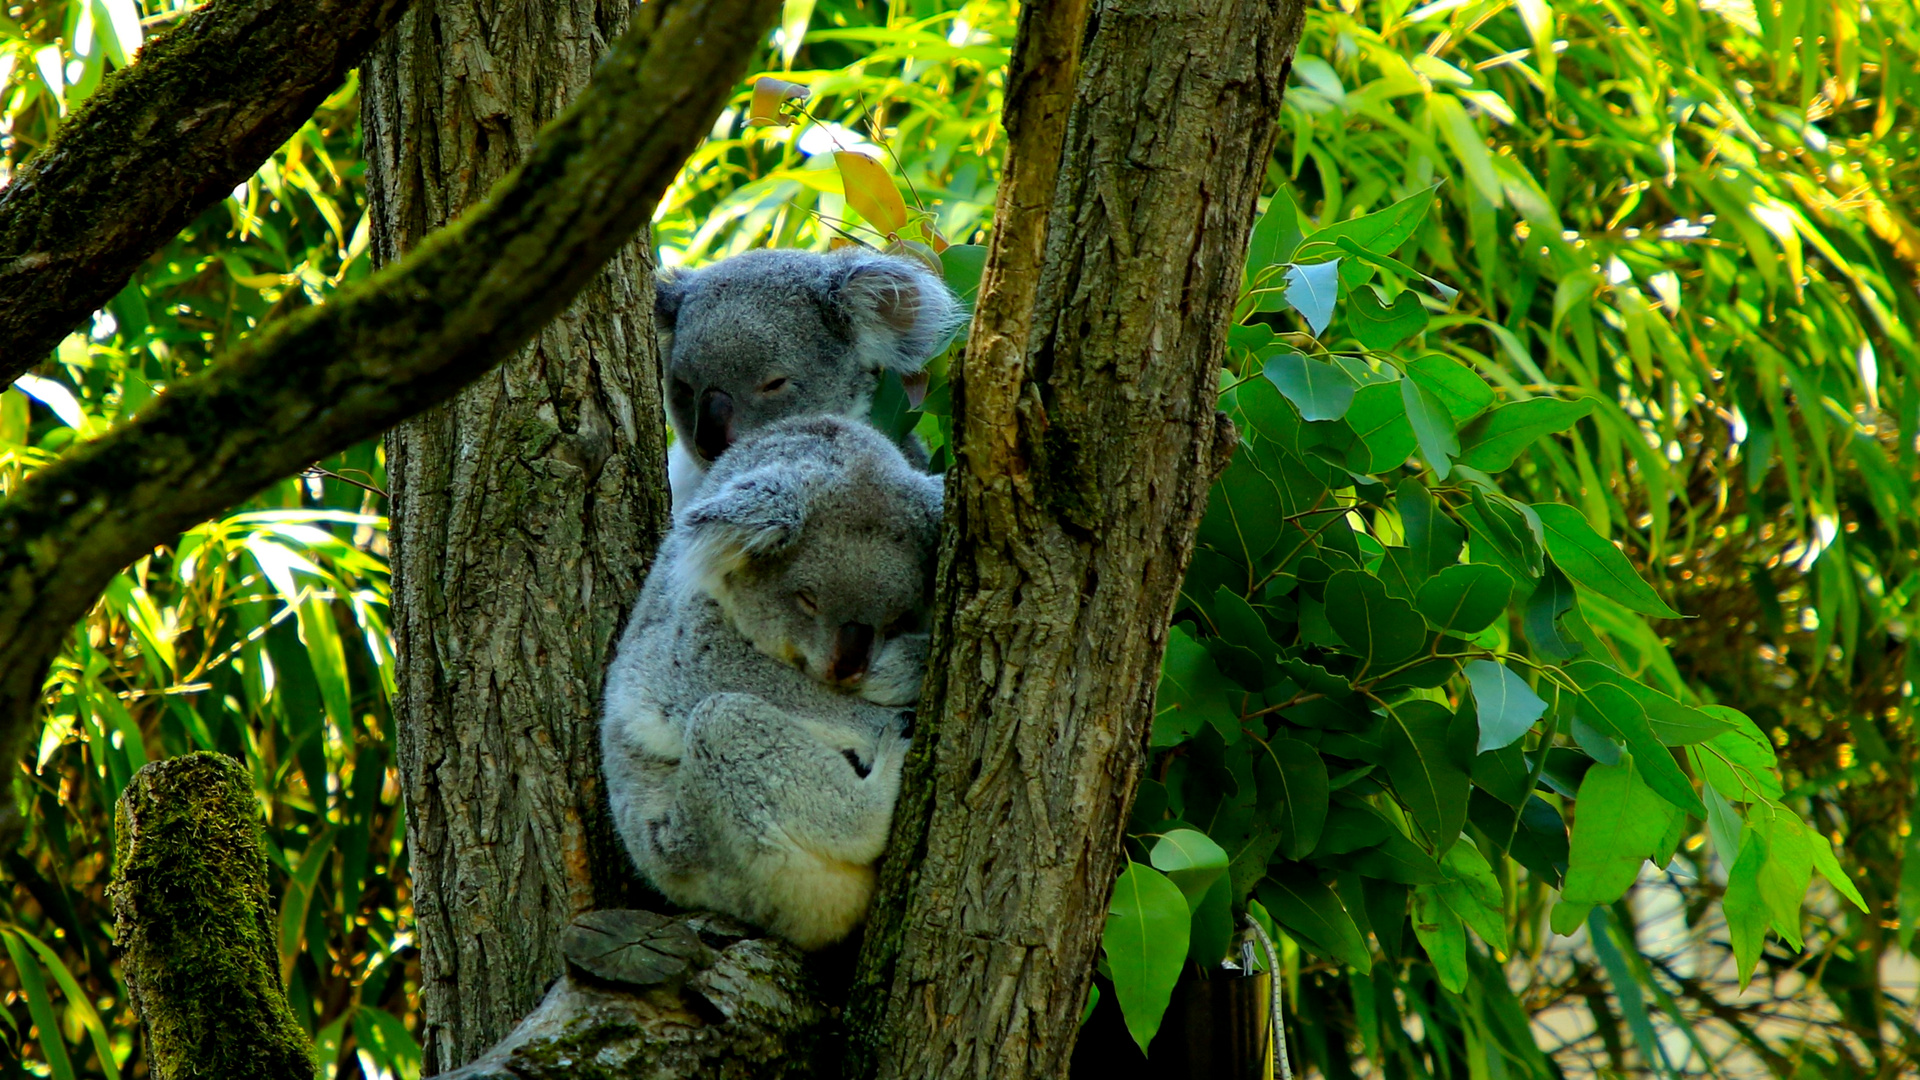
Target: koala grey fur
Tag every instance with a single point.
(752, 759)
(771, 334)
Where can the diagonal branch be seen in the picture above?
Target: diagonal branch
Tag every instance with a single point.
(406, 339)
(157, 144)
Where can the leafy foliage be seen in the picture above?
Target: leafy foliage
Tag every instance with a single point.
(1425, 700)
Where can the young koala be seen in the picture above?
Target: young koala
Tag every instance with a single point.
(771, 334)
(758, 706)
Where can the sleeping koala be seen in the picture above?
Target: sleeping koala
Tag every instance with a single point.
(771, 334)
(757, 708)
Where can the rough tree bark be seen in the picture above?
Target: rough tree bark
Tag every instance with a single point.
(525, 514)
(326, 377)
(158, 143)
(1083, 471)
(195, 925)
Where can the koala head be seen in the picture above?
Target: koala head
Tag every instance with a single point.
(816, 538)
(776, 333)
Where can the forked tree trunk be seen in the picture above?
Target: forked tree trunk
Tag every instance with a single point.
(524, 516)
(1089, 439)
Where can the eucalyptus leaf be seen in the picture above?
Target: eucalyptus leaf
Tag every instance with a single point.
(1493, 442)
(1591, 562)
(1382, 326)
(1465, 598)
(1507, 706)
(1321, 391)
(1146, 937)
(1300, 901)
(1312, 289)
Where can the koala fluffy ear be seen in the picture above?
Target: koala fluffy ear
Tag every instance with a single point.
(747, 517)
(901, 313)
(669, 289)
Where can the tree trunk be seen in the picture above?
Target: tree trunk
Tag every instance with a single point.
(195, 925)
(1083, 471)
(525, 513)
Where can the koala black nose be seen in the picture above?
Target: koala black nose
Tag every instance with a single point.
(852, 646)
(713, 424)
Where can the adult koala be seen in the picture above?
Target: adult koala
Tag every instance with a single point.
(754, 728)
(770, 334)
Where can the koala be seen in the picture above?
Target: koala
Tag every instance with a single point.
(758, 707)
(771, 334)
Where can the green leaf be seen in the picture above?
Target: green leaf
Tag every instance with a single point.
(1146, 945)
(1431, 535)
(1380, 326)
(1379, 417)
(1396, 858)
(1275, 236)
(1626, 990)
(1465, 598)
(1383, 231)
(1724, 826)
(1492, 442)
(1474, 894)
(39, 1006)
(1739, 763)
(1311, 291)
(1295, 774)
(1300, 901)
(1743, 907)
(1192, 693)
(1442, 935)
(1321, 391)
(1503, 536)
(1552, 603)
(1432, 426)
(1507, 706)
(1593, 563)
(1613, 712)
(1785, 875)
(1426, 778)
(963, 265)
(1617, 823)
(1191, 860)
(1465, 394)
(1829, 867)
(1385, 632)
(1672, 723)
(1212, 932)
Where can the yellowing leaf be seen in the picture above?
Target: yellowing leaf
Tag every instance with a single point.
(769, 94)
(871, 192)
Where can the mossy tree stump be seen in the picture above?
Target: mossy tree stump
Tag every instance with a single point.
(195, 925)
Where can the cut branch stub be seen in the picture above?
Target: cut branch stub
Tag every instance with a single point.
(195, 925)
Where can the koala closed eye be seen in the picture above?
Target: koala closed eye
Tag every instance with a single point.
(860, 768)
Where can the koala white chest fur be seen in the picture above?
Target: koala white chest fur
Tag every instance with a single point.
(757, 708)
(768, 335)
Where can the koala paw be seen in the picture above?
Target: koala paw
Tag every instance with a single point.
(896, 674)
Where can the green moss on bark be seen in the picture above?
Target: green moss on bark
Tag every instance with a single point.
(195, 925)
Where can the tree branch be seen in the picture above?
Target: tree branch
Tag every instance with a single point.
(407, 338)
(196, 927)
(158, 143)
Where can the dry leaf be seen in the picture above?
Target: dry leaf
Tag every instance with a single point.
(839, 242)
(769, 94)
(871, 192)
(916, 387)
